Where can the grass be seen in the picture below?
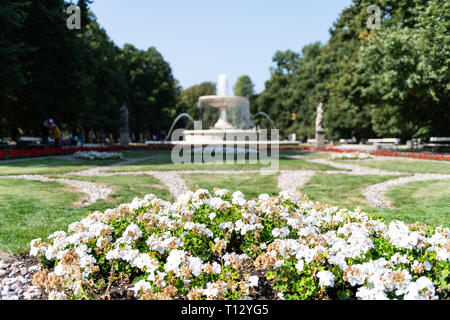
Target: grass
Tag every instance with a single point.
(164, 162)
(251, 184)
(33, 209)
(410, 166)
(306, 154)
(341, 189)
(134, 154)
(424, 201)
(427, 202)
(49, 166)
(126, 188)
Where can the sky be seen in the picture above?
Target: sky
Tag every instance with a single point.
(204, 38)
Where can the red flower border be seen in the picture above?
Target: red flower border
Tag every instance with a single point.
(14, 154)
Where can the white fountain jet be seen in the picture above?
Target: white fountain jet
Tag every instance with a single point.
(223, 102)
(222, 85)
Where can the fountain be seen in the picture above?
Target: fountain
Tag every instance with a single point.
(225, 121)
(180, 116)
(266, 116)
(233, 117)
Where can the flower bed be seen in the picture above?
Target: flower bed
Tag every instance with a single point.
(18, 154)
(387, 153)
(351, 156)
(220, 246)
(95, 155)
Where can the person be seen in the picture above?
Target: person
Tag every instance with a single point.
(45, 133)
(102, 138)
(55, 132)
(74, 139)
(82, 137)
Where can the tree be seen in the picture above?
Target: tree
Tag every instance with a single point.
(244, 87)
(408, 72)
(152, 90)
(189, 97)
(12, 17)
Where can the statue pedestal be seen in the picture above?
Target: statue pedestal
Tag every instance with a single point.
(320, 139)
(124, 138)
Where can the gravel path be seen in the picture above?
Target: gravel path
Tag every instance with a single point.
(16, 274)
(375, 193)
(288, 180)
(293, 180)
(94, 191)
(94, 171)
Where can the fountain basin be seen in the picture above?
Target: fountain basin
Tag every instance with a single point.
(224, 103)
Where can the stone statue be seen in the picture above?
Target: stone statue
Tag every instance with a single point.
(320, 131)
(124, 129)
(319, 118)
(124, 117)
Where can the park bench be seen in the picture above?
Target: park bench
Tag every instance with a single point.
(313, 141)
(386, 143)
(27, 142)
(348, 141)
(438, 143)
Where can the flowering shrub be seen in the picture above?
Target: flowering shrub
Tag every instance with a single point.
(95, 155)
(220, 246)
(351, 156)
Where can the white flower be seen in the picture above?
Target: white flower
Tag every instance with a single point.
(216, 267)
(221, 192)
(141, 285)
(131, 233)
(253, 281)
(326, 278)
(421, 289)
(174, 260)
(263, 197)
(300, 265)
(195, 264)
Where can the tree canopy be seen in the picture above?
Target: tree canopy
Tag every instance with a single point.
(80, 78)
(244, 87)
(388, 82)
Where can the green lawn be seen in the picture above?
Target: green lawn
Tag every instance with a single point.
(32, 209)
(251, 184)
(165, 163)
(49, 166)
(341, 189)
(411, 166)
(132, 154)
(424, 201)
(306, 154)
(427, 202)
(126, 188)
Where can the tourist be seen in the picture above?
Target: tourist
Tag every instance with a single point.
(45, 133)
(73, 139)
(102, 138)
(55, 133)
(82, 137)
